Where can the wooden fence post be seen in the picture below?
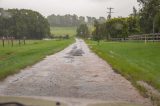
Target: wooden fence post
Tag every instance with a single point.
(3, 41)
(12, 41)
(145, 39)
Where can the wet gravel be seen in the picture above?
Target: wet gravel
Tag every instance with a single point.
(75, 72)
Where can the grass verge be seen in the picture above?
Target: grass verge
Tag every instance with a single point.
(60, 31)
(136, 61)
(12, 59)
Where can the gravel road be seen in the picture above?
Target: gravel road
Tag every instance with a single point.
(75, 72)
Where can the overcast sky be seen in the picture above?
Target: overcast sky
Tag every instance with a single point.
(94, 8)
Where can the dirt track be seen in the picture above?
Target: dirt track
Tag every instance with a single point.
(75, 72)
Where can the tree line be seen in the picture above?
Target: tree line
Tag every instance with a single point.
(143, 21)
(23, 23)
(71, 20)
(150, 16)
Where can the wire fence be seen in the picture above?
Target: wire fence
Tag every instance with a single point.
(144, 37)
(12, 41)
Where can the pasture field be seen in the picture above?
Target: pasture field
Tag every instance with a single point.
(12, 59)
(136, 61)
(60, 31)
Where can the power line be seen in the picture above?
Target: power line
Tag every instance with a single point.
(110, 13)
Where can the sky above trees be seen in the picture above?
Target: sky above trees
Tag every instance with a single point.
(94, 8)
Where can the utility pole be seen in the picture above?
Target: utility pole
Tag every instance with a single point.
(110, 12)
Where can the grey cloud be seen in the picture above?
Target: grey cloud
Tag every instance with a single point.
(80, 7)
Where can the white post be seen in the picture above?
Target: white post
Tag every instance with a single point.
(145, 39)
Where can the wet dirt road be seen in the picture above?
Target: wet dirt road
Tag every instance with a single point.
(75, 72)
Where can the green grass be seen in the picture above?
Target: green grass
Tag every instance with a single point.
(57, 31)
(12, 59)
(135, 61)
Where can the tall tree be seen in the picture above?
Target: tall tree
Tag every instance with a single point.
(20, 23)
(82, 31)
(98, 32)
(148, 14)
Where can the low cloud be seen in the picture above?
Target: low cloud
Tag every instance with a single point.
(94, 8)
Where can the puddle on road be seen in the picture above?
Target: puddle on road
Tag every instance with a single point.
(75, 51)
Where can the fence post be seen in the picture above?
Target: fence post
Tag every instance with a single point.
(12, 41)
(145, 39)
(3, 41)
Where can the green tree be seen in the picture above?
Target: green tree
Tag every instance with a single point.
(20, 23)
(133, 22)
(83, 31)
(117, 28)
(148, 13)
(100, 31)
(157, 22)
